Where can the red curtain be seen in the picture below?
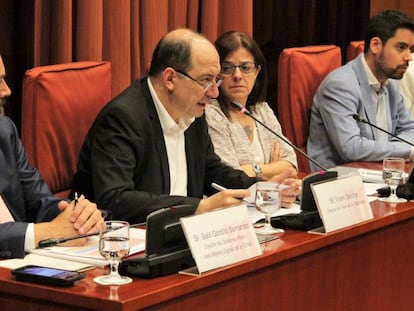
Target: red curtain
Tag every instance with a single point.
(125, 32)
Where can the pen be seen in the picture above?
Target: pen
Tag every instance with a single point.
(218, 187)
(76, 198)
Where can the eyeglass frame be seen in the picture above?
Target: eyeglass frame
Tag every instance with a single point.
(207, 86)
(255, 66)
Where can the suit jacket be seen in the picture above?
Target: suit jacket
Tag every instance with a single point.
(123, 162)
(23, 190)
(336, 138)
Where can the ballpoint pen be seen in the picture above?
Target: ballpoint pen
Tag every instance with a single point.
(76, 198)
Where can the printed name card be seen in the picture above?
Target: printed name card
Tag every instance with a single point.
(221, 237)
(342, 202)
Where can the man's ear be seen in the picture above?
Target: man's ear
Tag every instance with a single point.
(168, 78)
(375, 45)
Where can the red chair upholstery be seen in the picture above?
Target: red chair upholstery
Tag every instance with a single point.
(60, 103)
(300, 71)
(354, 49)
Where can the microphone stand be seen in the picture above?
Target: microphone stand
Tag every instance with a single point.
(360, 119)
(243, 110)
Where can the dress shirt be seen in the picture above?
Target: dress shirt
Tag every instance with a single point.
(175, 145)
(379, 100)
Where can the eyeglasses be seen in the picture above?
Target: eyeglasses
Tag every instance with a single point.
(206, 83)
(228, 69)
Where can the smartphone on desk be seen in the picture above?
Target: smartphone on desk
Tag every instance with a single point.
(45, 275)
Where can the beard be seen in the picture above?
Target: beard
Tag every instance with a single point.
(2, 103)
(390, 73)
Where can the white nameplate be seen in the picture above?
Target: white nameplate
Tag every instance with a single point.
(341, 202)
(221, 237)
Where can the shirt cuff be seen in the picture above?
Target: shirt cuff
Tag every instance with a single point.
(29, 242)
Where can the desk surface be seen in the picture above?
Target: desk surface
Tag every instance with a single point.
(364, 267)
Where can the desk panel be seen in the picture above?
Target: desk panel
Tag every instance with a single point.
(364, 267)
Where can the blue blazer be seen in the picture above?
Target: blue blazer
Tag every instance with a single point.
(23, 190)
(336, 138)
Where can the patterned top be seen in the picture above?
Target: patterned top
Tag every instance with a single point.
(231, 142)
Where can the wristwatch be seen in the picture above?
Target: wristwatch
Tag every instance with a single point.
(258, 170)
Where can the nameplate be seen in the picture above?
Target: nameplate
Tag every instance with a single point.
(341, 202)
(220, 238)
(5, 215)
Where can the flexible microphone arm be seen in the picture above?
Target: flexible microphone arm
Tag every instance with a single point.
(56, 241)
(243, 110)
(361, 119)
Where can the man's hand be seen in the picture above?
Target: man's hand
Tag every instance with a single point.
(222, 199)
(72, 220)
(294, 186)
(85, 216)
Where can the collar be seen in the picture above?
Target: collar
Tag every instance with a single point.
(372, 80)
(168, 125)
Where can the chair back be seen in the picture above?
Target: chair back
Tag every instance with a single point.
(59, 104)
(300, 71)
(354, 49)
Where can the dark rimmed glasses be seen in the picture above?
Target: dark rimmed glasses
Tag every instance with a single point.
(206, 83)
(228, 68)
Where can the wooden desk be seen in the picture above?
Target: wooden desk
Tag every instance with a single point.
(364, 267)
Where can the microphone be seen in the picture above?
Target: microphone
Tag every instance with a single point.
(56, 241)
(243, 110)
(362, 120)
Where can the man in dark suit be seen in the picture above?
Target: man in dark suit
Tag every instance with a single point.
(28, 210)
(149, 147)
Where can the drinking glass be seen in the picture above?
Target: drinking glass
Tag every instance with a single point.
(268, 202)
(392, 173)
(114, 245)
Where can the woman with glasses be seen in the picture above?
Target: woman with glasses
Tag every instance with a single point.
(238, 139)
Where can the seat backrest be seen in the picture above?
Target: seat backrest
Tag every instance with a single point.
(59, 104)
(354, 49)
(300, 71)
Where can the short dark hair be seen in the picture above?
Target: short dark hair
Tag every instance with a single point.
(385, 24)
(227, 43)
(174, 50)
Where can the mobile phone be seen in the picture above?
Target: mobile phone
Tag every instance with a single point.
(46, 275)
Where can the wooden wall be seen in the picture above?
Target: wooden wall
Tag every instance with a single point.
(405, 6)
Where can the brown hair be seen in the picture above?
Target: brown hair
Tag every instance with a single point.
(227, 43)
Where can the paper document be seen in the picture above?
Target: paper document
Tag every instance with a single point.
(45, 261)
(89, 253)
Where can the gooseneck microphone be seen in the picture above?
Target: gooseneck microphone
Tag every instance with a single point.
(361, 119)
(243, 110)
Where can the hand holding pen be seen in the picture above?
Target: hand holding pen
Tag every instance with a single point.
(221, 188)
(86, 217)
(224, 198)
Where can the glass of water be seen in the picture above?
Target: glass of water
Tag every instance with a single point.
(393, 174)
(113, 246)
(268, 202)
